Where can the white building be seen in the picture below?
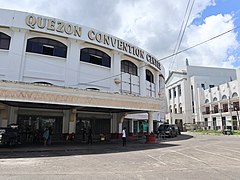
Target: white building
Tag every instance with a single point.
(184, 102)
(220, 106)
(68, 76)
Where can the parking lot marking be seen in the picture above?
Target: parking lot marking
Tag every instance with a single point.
(189, 156)
(158, 160)
(216, 154)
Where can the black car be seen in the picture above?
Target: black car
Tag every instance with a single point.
(168, 130)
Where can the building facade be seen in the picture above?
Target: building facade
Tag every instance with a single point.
(70, 77)
(220, 106)
(182, 91)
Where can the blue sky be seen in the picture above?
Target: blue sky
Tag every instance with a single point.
(224, 7)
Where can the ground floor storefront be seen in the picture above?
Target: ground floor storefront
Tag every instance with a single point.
(70, 114)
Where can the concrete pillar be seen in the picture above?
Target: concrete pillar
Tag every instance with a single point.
(157, 89)
(142, 73)
(73, 63)
(120, 119)
(116, 72)
(72, 121)
(66, 115)
(150, 122)
(16, 61)
(12, 115)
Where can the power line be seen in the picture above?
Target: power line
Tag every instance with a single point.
(179, 52)
(179, 44)
(203, 42)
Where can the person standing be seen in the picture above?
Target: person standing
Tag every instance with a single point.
(45, 136)
(124, 136)
(89, 135)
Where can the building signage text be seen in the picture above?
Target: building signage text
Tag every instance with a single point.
(98, 37)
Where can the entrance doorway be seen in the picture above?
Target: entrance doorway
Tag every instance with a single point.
(31, 128)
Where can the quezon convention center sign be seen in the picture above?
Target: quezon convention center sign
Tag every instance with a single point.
(40, 23)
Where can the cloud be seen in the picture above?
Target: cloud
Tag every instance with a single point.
(152, 25)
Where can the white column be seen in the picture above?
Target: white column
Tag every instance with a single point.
(142, 73)
(72, 63)
(72, 122)
(66, 115)
(157, 84)
(150, 122)
(116, 72)
(16, 55)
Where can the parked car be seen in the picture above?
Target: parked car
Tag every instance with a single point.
(168, 130)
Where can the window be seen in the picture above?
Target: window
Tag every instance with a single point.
(95, 56)
(47, 47)
(149, 76)
(174, 92)
(206, 101)
(170, 94)
(180, 108)
(225, 107)
(211, 86)
(215, 109)
(207, 110)
(179, 90)
(235, 95)
(214, 99)
(129, 67)
(4, 41)
(175, 109)
(203, 86)
(224, 97)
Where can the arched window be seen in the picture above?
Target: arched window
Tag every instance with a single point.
(170, 109)
(234, 94)
(149, 76)
(175, 109)
(129, 67)
(214, 99)
(47, 47)
(4, 41)
(206, 101)
(180, 108)
(224, 97)
(95, 56)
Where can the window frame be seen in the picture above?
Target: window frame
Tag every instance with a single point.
(7, 38)
(42, 45)
(95, 56)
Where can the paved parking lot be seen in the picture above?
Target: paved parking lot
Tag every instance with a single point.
(189, 156)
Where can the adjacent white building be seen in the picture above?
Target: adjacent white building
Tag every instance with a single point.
(183, 89)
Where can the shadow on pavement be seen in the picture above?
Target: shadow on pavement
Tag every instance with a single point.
(178, 138)
(71, 148)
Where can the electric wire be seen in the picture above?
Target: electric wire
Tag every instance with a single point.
(179, 44)
(179, 34)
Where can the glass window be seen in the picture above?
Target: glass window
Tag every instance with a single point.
(95, 56)
(149, 76)
(129, 67)
(4, 41)
(179, 90)
(47, 46)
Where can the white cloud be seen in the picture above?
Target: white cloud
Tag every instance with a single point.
(152, 25)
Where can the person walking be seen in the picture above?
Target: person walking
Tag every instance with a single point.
(124, 136)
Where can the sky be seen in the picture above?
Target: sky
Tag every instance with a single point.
(154, 26)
